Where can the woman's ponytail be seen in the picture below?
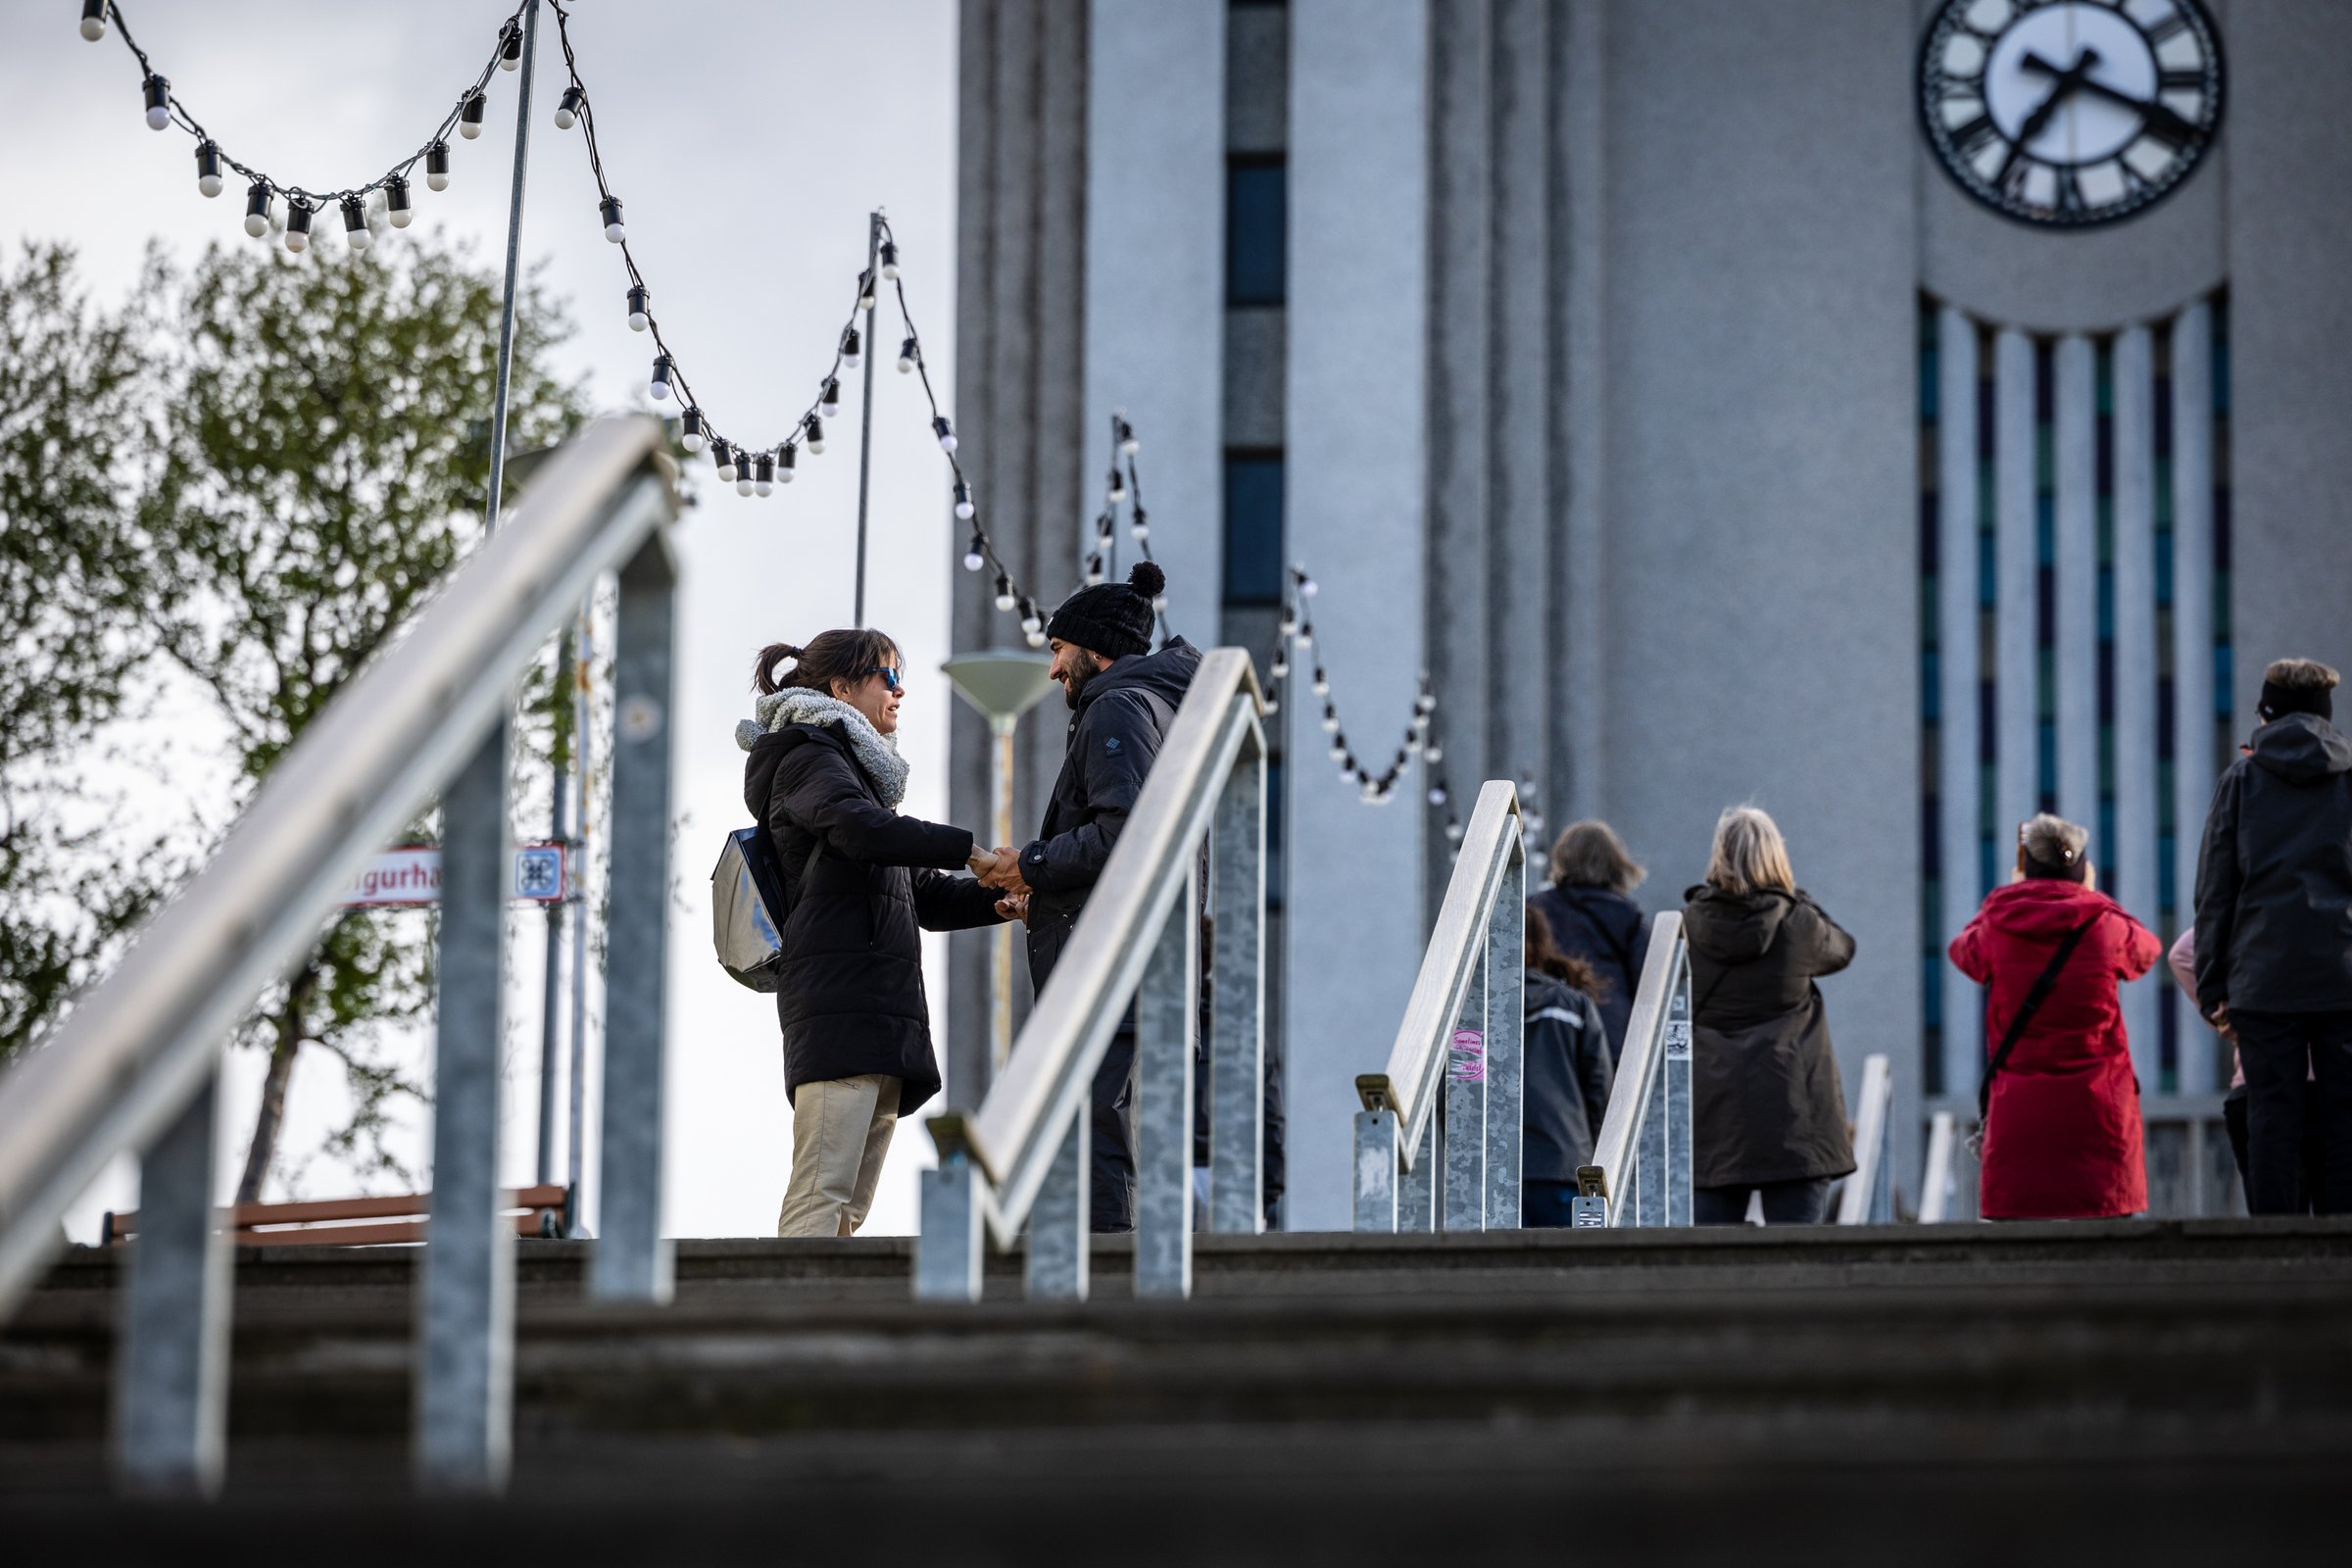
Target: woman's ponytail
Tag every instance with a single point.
(764, 670)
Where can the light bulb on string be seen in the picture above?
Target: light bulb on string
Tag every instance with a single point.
(816, 434)
(1331, 720)
(1322, 682)
(1116, 491)
(1433, 754)
(298, 224)
(1306, 585)
(1339, 752)
(607, 212)
(908, 351)
(1270, 707)
(640, 317)
(765, 474)
(1004, 598)
(93, 19)
(1437, 795)
(975, 554)
(355, 223)
(851, 349)
(1453, 831)
(866, 294)
(436, 165)
(690, 429)
(510, 54)
(567, 108)
(1306, 634)
(208, 167)
(723, 456)
(787, 463)
(1094, 570)
(660, 387)
(159, 101)
(945, 432)
(1128, 444)
(964, 502)
(747, 467)
(828, 399)
(257, 208)
(1290, 625)
(890, 261)
(1282, 668)
(396, 201)
(469, 118)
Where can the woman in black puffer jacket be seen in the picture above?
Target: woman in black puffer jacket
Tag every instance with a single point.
(824, 778)
(1767, 1111)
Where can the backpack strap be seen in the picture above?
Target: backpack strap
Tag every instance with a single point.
(2042, 985)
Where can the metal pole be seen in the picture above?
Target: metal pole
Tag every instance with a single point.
(551, 992)
(577, 1218)
(865, 437)
(1167, 1020)
(633, 1258)
(999, 974)
(171, 1379)
(505, 309)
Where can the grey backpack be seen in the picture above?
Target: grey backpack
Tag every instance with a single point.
(749, 907)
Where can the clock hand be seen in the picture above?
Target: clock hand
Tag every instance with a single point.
(2157, 118)
(2073, 76)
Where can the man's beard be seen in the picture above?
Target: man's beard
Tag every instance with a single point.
(1083, 668)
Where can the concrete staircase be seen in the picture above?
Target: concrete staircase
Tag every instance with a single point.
(1913, 1394)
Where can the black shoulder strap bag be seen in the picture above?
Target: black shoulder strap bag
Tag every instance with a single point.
(2034, 997)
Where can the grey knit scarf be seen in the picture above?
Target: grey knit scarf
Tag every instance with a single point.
(876, 752)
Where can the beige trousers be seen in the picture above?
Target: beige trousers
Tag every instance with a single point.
(840, 1131)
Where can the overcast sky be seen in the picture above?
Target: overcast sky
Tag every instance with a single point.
(748, 142)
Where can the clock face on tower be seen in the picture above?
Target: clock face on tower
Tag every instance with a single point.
(2069, 113)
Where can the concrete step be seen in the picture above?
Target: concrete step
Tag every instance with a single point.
(1510, 1362)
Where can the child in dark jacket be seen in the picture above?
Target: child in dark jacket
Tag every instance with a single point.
(1568, 1074)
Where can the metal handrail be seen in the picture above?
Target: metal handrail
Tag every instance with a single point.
(1868, 1197)
(1935, 1187)
(1136, 932)
(1641, 1170)
(1491, 846)
(139, 1045)
(1460, 1033)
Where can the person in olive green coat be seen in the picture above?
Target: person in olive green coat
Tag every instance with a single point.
(1768, 1112)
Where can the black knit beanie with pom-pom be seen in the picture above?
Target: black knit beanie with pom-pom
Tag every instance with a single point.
(1112, 618)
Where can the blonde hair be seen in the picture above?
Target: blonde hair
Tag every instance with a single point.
(1590, 854)
(1750, 855)
(2300, 675)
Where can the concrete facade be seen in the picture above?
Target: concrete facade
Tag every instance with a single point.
(1600, 387)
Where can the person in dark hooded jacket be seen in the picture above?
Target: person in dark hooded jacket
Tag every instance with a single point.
(1593, 917)
(824, 777)
(2274, 945)
(1768, 1112)
(1568, 1073)
(1122, 699)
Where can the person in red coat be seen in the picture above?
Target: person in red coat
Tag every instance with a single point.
(2062, 1133)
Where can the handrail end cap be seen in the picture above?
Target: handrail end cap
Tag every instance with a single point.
(1375, 1091)
(951, 1134)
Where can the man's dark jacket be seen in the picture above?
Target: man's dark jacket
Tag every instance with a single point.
(851, 996)
(1115, 733)
(2274, 876)
(1766, 1105)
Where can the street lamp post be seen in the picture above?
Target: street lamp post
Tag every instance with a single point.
(1003, 683)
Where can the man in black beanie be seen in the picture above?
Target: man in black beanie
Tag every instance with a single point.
(2273, 948)
(1122, 699)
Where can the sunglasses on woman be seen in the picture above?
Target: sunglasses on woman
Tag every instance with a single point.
(889, 677)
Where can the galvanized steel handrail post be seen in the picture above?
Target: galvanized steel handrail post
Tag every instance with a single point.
(1868, 1197)
(1641, 1170)
(1936, 1186)
(1021, 1154)
(1459, 1042)
(129, 1068)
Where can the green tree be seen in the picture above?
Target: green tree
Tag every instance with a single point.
(324, 461)
(76, 592)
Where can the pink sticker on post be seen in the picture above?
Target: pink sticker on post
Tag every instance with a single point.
(1467, 1062)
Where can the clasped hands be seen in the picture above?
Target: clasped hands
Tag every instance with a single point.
(1001, 868)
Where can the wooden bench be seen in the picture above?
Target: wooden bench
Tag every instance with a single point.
(357, 1221)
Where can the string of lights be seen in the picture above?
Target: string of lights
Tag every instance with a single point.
(1123, 488)
(165, 109)
(387, 199)
(1296, 644)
